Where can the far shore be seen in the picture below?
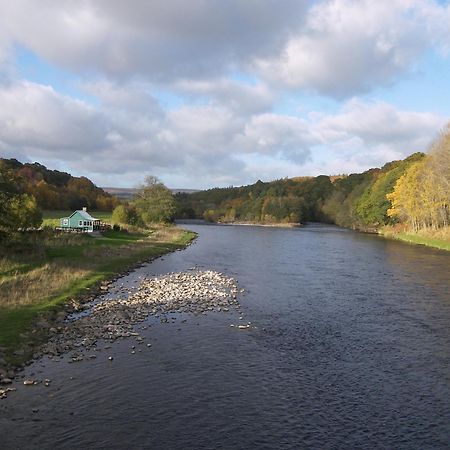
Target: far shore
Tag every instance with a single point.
(255, 224)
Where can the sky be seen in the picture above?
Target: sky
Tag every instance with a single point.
(207, 93)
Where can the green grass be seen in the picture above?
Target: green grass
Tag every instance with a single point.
(51, 218)
(63, 266)
(439, 238)
(422, 240)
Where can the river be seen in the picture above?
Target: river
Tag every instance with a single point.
(351, 350)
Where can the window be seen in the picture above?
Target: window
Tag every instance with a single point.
(80, 223)
(65, 221)
(85, 223)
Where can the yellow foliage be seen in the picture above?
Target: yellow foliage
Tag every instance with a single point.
(422, 195)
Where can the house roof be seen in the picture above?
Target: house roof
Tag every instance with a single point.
(83, 214)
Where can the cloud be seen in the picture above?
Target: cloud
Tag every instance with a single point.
(337, 48)
(128, 135)
(241, 97)
(380, 123)
(159, 40)
(348, 47)
(286, 136)
(34, 116)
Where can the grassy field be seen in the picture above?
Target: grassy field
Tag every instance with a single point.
(431, 238)
(51, 218)
(42, 272)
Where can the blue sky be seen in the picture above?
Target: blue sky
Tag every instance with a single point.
(205, 94)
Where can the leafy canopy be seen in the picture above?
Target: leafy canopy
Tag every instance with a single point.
(155, 202)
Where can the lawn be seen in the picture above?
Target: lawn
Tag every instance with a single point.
(439, 238)
(40, 272)
(51, 218)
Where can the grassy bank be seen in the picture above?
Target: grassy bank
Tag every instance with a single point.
(40, 273)
(51, 218)
(431, 238)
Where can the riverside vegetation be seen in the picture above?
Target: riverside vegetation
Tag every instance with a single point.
(407, 199)
(41, 270)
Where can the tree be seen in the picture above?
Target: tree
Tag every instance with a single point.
(24, 212)
(422, 195)
(120, 215)
(17, 211)
(155, 202)
(406, 201)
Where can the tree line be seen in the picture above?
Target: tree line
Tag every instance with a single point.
(55, 190)
(27, 189)
(414, 191)
(421, 197)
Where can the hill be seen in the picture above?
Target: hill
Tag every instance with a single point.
(55, 190)
(355, 201)
(130, 193)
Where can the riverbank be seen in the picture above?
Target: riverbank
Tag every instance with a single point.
(49, 275)
(431, 238)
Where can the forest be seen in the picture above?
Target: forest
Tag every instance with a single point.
(55, 190)
(414, 192)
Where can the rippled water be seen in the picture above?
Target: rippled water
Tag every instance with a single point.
(352, 350)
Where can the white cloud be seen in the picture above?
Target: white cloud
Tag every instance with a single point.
(243, 98)
(160, 39)
(33, 116)
(380, 124)
(351, 46)
(286, 136)
(338, 48)
(128, 135)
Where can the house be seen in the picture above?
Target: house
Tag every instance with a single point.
(81, 221)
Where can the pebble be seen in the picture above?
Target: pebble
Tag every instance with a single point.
(195, 291)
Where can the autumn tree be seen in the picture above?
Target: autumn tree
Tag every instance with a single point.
(406, 201)
(17, 210)
(155, 202)
(422, 195)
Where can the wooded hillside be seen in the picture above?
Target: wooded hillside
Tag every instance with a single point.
(356, 201)
(56, 190)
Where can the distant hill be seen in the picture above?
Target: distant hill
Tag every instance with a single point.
(55, 190)
(129, 193)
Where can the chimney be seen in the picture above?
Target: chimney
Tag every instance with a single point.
(84, 208)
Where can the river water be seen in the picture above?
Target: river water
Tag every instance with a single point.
(351, 350)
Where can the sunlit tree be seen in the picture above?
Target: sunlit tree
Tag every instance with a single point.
(155, 202)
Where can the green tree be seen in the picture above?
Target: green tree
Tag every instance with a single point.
(24, 212)
(120, 215)
(155, 202)
(17, 211)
